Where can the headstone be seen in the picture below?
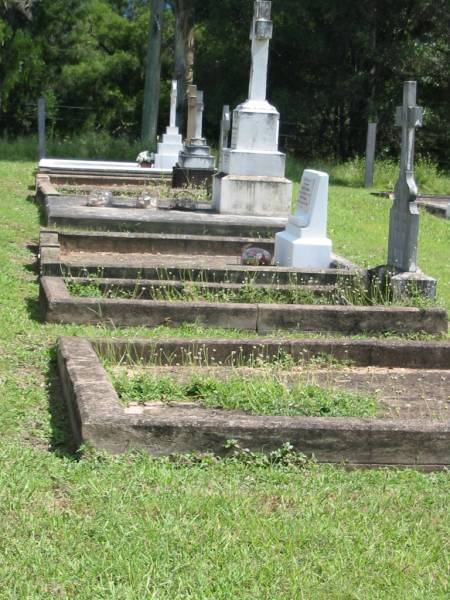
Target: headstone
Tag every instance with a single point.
(402, 274)
(192, 111)
(196, 153)
(252, 180)
(171, 145)
(404, 216)
(225, 127)
(304, 243)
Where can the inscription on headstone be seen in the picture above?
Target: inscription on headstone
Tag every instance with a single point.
(305, 194)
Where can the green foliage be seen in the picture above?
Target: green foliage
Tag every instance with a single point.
(348, 64)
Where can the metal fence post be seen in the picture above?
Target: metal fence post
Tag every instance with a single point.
(41, 127)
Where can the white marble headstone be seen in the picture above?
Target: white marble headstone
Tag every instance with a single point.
(304, 243)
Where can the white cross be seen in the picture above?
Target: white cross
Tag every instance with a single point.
(261, 34)
(173, 104)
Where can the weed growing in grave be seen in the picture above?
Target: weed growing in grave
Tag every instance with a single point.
(158, 189)
(264, 394)
(171, 290)
(203, 355)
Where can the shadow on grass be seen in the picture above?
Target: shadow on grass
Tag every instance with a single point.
(62, 441)
(35, 310)
(41, 210)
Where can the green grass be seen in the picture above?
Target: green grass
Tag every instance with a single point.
(132, 527)
(95, 146)
(351, 174)
(260, 394)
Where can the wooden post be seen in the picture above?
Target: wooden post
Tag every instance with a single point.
(370, 154)
(41, 128)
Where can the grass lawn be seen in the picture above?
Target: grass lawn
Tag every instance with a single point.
(133, 527)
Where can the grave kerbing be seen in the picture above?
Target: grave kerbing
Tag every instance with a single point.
(171, 145)
(252, 181)
(304, 242)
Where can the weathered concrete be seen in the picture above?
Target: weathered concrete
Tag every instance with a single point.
(61, 308)
(98, 418)
(129, 256)
(71, 211)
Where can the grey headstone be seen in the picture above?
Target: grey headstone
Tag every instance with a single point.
(404, 216)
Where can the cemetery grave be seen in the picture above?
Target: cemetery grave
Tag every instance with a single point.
(200, 389)
(155, 261)
(399, 428)
(149, 257)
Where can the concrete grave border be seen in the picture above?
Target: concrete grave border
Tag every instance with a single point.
(53, 261)
(64, 210)
(60, 307)
(98, 418)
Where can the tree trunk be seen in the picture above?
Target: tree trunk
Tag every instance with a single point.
(150, 108)
(184, 52)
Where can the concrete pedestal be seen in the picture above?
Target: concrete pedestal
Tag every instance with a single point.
(252, 195)
(400, 285)
(302, 253)
(169, 149)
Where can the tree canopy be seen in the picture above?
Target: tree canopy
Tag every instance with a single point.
(332, 66)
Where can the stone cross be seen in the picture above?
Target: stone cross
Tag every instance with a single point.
(192, 107)
(173, 104)
(199, 116)
(225, 127)
(404, 216)
(261, 34)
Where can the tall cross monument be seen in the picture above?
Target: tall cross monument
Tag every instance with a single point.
(404, 216)
(251, 180)
(171, 144)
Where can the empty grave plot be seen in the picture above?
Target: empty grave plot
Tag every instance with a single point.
(365, 402)
(154, 279)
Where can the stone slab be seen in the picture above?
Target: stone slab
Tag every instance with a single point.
(55, 165)
(72, 212)
(98, 418)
